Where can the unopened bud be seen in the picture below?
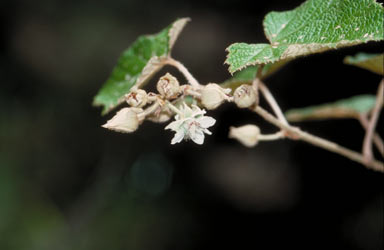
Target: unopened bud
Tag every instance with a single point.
(248, 135)
(212, 95)
(245, 96)
(137, 98)
(126, 120)
(160, 118)
(168, 86)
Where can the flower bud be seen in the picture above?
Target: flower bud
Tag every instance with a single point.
(160, 118)
(168, 86)
(137, 98)
(212, 95)
(245, 96)
(248, 135)
(125, 121)
(160, 115)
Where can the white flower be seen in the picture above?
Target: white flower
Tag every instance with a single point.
(191, 123)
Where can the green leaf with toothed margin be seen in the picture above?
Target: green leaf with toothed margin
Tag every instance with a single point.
(346, 108)
(371, 62)
(137, 65)
(313, 27)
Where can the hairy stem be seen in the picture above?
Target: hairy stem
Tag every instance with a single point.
(320, 142)
(192, 80)
(173, 108)
(272, 102)
(271, 137)
(367, 144)
(151, 109)
(376, 137)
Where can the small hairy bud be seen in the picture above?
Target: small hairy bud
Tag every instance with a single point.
(212, 95)
(168, 86)
(245, 96)
(161, 115)
(126, 120)
(248, 135)
(137, 98)
(160, 118)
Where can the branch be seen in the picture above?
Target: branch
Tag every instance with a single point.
(320, 142)
(376, 137)
(272, 102)
(192, 80)
(367, 144)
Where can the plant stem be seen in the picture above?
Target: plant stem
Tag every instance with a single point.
(173, 108)
(151, 109)
(367, 144)
(376, 137)
(320, 142)
(192, 80)
(271, 137)
(272, 102)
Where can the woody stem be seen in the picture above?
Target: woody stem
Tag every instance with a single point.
(192, 80)
(320, 142)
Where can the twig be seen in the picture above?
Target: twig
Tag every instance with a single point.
(272, 102)
(151, 109)
(192, 80)
(320, 142)
(367, 144)
(173, 108)
(376, 137)
(271, 137)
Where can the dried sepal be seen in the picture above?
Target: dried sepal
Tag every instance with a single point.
(245, 96)
(137, 98)
(168, 86)
(161, 115)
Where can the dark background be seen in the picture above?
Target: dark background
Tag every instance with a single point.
(67, 183)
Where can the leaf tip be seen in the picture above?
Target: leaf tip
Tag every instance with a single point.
(176, 29)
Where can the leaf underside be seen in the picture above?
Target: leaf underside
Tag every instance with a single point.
(313, 27)
(247, 75)
(351, 107)
(371, 62)
(137, 63)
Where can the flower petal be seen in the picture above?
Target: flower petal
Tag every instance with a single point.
(175, 125)
(207, 131)
(179, 136)
(186, 110)
(206, 121)
(198, 137)
(197, 111)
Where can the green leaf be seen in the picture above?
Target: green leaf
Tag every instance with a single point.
(371, 62)
(138, 64)
(345, 108)
(247, 75)
(313, 27)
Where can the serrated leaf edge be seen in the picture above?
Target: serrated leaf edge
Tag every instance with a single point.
(175, 31)
(297, 50)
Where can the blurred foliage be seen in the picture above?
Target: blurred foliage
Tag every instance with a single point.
(371, 62)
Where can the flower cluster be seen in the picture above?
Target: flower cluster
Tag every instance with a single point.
(190, 121)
